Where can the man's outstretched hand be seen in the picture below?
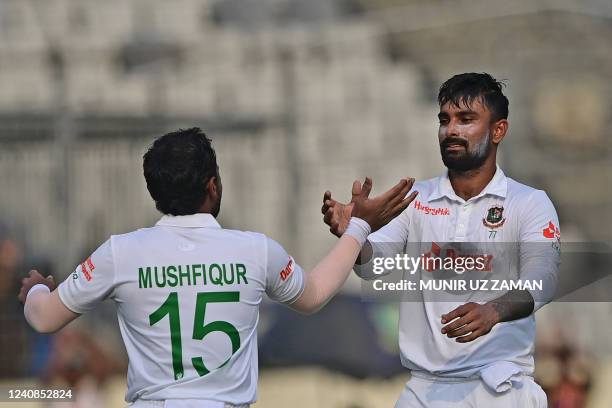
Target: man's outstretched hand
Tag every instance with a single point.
(335, 214)
(377, 211)
(32, 279)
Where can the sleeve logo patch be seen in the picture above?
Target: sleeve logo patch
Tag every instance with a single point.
(90, 264)
(284, 274)
(87, 269)
(552, 231)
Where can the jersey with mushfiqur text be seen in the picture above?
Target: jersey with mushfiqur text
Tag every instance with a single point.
(187, 293)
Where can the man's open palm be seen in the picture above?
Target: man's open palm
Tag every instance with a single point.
(377, 211)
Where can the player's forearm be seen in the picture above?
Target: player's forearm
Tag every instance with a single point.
(331, 272)
(513, 305)
(539, 262)
(45, 312)
(35, 311)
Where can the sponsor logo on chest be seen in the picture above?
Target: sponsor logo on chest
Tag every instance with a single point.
(430, 210)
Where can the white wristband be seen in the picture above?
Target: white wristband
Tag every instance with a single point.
(36, 288)
(358, 229)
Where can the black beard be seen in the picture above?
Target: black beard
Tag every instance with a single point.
(462, 161)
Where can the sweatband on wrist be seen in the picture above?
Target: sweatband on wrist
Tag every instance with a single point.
(358, 229)
(36, 288)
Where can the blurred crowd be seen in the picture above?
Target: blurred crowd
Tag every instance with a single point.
(565, 374)
(23, 352)
(72, 358)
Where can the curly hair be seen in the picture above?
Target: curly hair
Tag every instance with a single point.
(177, 167)
(468, 87)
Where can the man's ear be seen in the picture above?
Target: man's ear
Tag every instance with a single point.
(499, 130)
(213, 188)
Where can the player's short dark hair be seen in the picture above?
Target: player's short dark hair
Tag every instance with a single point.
(466, 88)
(177, 167)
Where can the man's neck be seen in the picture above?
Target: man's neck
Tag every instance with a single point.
(468, 184)
(209, 207)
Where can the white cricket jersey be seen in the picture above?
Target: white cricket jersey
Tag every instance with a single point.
(505, 211)
(187, 295)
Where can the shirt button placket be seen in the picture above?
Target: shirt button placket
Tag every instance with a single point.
(462, 222)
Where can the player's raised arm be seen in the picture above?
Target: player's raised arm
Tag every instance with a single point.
(43, 310)
(367, 215)
(48, 308)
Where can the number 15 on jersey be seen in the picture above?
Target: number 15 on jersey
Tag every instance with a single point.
(170, 307)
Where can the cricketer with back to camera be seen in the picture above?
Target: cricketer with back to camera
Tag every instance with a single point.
(188, 291)
(467, 353)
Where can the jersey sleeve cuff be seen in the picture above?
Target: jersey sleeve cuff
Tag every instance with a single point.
(296, 297)
(65, 298)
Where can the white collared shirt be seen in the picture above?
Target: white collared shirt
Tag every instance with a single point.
(187, 293)
(504, 212)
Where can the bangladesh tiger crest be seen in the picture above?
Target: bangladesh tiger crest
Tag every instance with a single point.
(495, 217)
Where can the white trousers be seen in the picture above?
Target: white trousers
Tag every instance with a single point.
(438, 392)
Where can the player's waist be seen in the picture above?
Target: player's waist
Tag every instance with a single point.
(462, 372)
(427, 376)
(184, 403)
